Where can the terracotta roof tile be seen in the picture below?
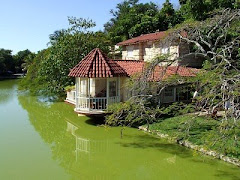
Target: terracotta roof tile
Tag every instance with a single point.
(132, 67)
(96, 65)
(144, 38)
(161, 73)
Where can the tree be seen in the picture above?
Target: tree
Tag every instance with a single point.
(19, 59)
(27, 62)
(195, 9)
(6, 61)
(65, 51)
(167, 17)
(55, 36)
(217, 40)
(201, 9)
(131, 19)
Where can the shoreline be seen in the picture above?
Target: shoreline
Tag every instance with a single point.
(14, 76)
(234, 161)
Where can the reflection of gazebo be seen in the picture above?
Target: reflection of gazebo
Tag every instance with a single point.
(98, 81)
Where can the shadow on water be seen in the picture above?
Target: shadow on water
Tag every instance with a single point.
(227, 174)
(7, 88)
(95, 121)
(146, 141)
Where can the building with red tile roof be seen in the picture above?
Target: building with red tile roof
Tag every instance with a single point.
(148, 46)
(144, 38)
(100, 80)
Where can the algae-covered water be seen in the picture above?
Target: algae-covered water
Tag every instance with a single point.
(43, 140)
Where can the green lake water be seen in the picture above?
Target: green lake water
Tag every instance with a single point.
(43, 140)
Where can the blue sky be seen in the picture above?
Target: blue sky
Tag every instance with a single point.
(26, 24)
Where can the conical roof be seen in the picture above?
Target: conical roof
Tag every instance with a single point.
(97, 65)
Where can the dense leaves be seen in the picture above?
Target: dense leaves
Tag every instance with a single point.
(131, 19)
(49, 71)
(201, 9)
(19, 59)
(6, 61)
(12, 63)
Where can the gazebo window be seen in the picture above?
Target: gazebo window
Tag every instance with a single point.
(112, 88)
(83, 87)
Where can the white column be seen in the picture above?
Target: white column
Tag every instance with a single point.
(88, 85)
(77, 91)
(119, 89)
(107, 90)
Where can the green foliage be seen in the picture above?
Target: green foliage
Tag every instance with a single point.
(19, 59)
(33, 80)
(176, 109)
(210, 133)
(6, 61)
(131, 19)
(131, 113)
(27, 61)
(195, 9)
(202, 9)
(68, 47)
(69, 88)
(128, 114)
(225, 138)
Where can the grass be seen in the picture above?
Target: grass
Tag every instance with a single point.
(203, 131)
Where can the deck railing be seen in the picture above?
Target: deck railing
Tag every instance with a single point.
(95, 103)
(71, 96)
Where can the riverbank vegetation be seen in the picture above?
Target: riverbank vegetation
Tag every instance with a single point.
(207, 132)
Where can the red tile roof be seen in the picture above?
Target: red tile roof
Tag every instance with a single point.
(97, 65)
(144, 38)
(132, 67)
(161, 73)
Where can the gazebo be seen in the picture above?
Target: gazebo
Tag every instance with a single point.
(98, 82)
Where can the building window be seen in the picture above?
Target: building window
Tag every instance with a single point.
(168, 92)
(130, 51)
(184, 93)
(112, 88)
(165, 50)
(83, 87)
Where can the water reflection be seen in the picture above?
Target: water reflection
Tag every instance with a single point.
(87, 151)
(6, 90)
(86, 146)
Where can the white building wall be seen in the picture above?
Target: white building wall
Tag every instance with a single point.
(150, 51)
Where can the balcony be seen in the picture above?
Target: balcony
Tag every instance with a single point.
(94, 105)
(71, 97)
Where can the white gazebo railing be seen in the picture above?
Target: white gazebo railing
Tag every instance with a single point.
(71, 97)
(95, 103)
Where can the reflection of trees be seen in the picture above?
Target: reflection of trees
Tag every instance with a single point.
(6, 90)
(49, 123)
